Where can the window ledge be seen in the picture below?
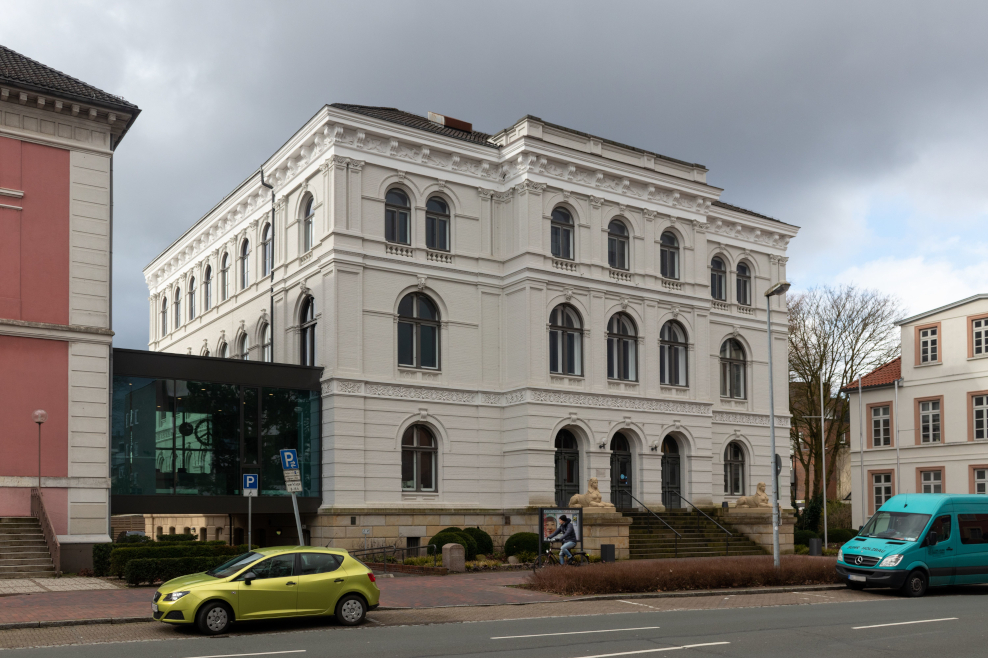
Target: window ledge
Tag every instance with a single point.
(425, 496)
(927, 365)
(977, 356)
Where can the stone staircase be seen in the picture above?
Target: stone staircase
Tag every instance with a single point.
(650, 539)
(23, 552)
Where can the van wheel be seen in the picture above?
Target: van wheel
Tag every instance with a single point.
(214, 618)
(351, 610)
(915, 585)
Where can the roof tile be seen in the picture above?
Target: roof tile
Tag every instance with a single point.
(394, 115)
(881, 376)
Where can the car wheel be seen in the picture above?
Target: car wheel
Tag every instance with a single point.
(351, 610)
(214, 618)
(915, 584)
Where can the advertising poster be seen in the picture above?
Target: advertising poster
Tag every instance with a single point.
(551, 521)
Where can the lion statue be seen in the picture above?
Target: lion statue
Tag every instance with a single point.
(760, 499)
(590, 499)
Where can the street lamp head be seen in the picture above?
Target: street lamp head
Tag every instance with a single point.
(778, 289)
(39, 416)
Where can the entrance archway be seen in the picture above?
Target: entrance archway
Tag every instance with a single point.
(672, 486)
(621, 471)
(567, 467)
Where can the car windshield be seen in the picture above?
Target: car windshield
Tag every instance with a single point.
(895, 525)
(231, 567)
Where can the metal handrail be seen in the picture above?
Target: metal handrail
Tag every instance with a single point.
(39, 512)
(675, 532)
(727, 543)
(384, 552)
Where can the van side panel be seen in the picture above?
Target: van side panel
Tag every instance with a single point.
(971, 564)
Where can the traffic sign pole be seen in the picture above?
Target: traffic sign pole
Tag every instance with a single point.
(249, 490)
(249, 542)
(293, 482)
(298, 522)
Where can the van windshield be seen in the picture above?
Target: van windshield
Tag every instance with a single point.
(895, 525)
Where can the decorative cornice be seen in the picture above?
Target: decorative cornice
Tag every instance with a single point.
(734, 418)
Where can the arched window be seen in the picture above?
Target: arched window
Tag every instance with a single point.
(396, 217)
(621, 471)
(672, 354)
(207, 289)
(192, 298)
(565, 341)
(418, 332)
(266, 354)
(734, 469)
(177, 307)
(669, 255)
(225, 276)
(267, 249)
(223, 351)
(307, 220)
(567, 467)
(245, 264)
(418, 459)
(744, 284)
(617, 245)
(732, 366)
(164, 316)
(562, 234)
(718, 279)
(622, 348)
(672, 475)
(243, 348)
(308, 325)
(437, 224)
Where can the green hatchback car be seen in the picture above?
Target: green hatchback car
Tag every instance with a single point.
(270, 583)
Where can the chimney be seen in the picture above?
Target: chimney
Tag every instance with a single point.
(450, 122)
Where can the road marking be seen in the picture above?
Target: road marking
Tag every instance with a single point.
(641, 604)
(903, 623)
(609, 630)
(263, 653)
(631, 653)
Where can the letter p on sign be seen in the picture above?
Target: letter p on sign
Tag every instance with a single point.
(289, 459)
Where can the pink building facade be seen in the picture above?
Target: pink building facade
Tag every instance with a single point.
(57, 138)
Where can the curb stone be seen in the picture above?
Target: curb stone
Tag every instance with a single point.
(72, 622)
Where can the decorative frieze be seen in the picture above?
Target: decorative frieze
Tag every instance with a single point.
(731, 418)
(619, 402)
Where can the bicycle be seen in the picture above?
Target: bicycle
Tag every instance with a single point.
(551, 557)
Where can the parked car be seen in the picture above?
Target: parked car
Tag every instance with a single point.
(916, 541)
(286, 581)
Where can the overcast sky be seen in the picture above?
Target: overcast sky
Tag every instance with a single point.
(862, 122)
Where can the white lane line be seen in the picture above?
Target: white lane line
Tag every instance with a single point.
(263, 653)
(641, 604)
(609, 630)
(631, 653)
(904, 623)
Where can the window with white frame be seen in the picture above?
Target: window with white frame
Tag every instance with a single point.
(243, 348)
(882, 488)
(929, 421)
(192, 298)
(207, 289)
(981, 480)
(744, 284)
(931, 481)
(223, 351)
(622, 348)
(178, 307)
(225, 276)
(980, 404)
(418, 332)
(732, 369)
(617, 245)
(164, 316)
(561, 234)
(267, 249)
(418, 459)
(437, 224)
(565, 341)
(308, 214)
(397, 210)
(245, 264)
(928, 344)
(979, 329)
(881, 426)
(669, 255)
(266, 353)
(718, 279)
(672, 354)
(307, 323)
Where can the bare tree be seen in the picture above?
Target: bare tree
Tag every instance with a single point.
(840, 333)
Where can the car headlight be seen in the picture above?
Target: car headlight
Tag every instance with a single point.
(175, 596)
(891, 561)
(840, 554)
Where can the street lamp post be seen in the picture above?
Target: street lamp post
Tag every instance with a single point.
(39, 416)
(778, 289)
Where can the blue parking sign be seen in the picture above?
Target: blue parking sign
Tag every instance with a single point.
(289, 459)
(250, 484)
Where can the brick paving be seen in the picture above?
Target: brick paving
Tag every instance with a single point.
(458, 590)
(74, 605)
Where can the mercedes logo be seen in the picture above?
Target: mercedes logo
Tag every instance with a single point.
(858, 560)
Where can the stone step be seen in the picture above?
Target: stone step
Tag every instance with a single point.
(5, 569)
(41, 562)
(33, 573)
(25, 547)
(31, 541)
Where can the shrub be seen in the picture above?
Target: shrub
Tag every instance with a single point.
(804, 536)
(450, 529)
(485, 545)
(801, 549)
(522, 541)
(841, 535)
(101, 559)
(122, 556)
(85, 573)
(838, 515)
(124, 538)
(685, 574)
(164, 569)
(183, 537)
(811, 516)
(526, 556)
(466, 541)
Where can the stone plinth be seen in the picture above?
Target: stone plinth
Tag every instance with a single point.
(454, 558)
(756, 524)
(606, 527)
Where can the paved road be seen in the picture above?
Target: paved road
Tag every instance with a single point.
(949, 624)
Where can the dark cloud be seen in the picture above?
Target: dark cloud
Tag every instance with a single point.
(795, 107)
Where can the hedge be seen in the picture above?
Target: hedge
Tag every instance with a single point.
(527, 542)
(182, 537)
(461, 538)
(164, 569)
(804, 536)
(122, 556)
(841, 535)
(101, 559)
(485, 545)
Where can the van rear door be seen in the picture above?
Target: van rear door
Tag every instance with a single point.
(972, 552)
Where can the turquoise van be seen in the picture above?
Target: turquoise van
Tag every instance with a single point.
(916, 541)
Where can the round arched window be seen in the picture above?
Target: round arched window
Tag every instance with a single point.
(437, 224)
(397, 211)
(562, 234)
(622, 348)
(617, 245)
(732, 369)
(418, 459)
(565, 341)
(418, 332)
(669, 255)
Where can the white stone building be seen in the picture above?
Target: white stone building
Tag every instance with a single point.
(942, 419)
(559, 290)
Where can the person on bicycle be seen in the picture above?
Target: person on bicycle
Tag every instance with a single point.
(568, 533)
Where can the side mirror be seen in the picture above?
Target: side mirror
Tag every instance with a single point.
(249, 577)
(931, 538)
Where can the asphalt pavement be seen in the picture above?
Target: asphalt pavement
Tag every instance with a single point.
(940, 625)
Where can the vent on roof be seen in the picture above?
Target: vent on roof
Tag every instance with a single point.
(450, 122)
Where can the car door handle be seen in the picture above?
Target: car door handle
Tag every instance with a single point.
(338, 580)
(290, 583)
